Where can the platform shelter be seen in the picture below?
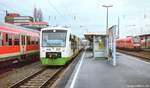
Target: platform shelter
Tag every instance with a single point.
(97, 44)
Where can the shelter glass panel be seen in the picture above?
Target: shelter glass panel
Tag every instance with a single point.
(99, 42)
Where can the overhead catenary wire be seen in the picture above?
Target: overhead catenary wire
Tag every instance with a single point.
(58, 12)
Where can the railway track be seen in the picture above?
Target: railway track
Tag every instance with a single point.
(144, 55)
(38, 80)
(146, 50)
(13, 64)
(43, 78)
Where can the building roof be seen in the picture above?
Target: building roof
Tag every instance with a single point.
(38, 23)
(94, 33)
(143, 35)
(4, 27)
(89, 35)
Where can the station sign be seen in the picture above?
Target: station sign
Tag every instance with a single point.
(112, 43)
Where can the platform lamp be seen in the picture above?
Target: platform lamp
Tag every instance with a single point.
(107, 36)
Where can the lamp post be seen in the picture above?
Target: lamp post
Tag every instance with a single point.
(107, 36)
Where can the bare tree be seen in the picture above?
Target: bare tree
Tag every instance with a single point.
(40, 15)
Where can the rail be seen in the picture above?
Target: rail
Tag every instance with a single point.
(143, 55)
(38, 79)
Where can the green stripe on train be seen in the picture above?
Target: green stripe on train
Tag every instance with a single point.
(58, 61)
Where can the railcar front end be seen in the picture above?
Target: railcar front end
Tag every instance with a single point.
(55, 46)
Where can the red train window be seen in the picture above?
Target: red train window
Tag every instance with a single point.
(23, 39)
(16, 39)
(8, 39)
(1, 38)
(37, 41)
(28, 40)
(33, 40)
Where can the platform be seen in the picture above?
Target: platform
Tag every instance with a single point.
(129, 72)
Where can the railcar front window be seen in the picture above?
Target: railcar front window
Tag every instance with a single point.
(54, 38)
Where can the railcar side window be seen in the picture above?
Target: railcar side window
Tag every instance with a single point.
(16, 39)
(1, 38)
(33, 40)
(23, 39)
(28, 40)
(37, 41)
(8, 39)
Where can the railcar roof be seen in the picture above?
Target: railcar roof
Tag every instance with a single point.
(56, 28)
(124, 39)
(144, 35)
(89, 35)
(17, 29)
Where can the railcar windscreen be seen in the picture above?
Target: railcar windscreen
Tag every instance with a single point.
(53, 38)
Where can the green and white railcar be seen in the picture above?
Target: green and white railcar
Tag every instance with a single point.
(58, 45)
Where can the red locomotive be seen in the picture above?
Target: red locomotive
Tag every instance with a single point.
(17, 44)
(130, 43)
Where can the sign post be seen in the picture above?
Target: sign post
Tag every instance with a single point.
(112, 44)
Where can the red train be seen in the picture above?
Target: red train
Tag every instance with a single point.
(130, 43)
(17, 44)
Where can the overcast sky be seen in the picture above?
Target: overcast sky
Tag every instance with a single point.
(90, 15)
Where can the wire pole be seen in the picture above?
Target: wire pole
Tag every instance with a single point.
(118, 35)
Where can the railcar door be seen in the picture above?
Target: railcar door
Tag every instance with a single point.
(23, 44)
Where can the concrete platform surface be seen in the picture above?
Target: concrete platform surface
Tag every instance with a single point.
(99, 73)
